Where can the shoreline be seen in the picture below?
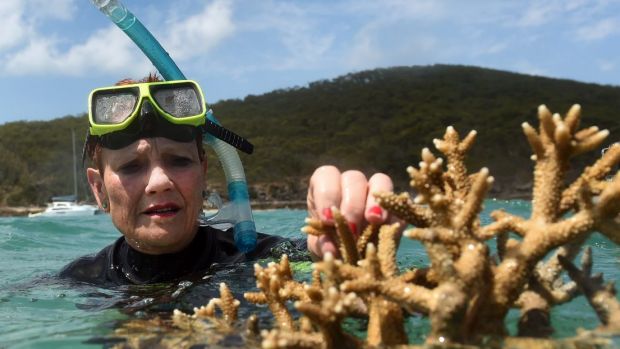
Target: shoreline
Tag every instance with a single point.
(20, 211)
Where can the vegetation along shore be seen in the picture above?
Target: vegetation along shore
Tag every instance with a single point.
(373, 120)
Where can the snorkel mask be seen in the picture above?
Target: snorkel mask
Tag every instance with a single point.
(238, 212)
(120, 115)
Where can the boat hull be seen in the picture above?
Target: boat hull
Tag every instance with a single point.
(68, 211)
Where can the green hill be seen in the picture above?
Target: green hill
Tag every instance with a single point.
(374, 120)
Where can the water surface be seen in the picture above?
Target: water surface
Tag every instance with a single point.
(39, 311)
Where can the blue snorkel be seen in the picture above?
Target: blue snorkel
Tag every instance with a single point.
(238, 212)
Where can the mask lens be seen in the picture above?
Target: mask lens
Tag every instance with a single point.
(113, 108)
(178, 101)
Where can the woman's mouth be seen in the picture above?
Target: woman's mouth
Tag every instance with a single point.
(162, 210)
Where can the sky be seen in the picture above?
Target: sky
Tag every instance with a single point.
(54, 52)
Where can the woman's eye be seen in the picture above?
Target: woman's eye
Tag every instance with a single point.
(130, 167)
(181, 161)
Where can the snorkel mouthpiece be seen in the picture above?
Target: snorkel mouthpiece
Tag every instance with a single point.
(244, 228)
(117, 12)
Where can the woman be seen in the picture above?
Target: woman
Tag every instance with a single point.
(149, 171)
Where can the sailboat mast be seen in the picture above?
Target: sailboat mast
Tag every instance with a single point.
(75, 192)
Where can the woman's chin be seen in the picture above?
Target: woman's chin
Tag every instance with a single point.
(159, 240)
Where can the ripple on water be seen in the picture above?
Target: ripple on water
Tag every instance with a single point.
(6, 233)
(60, 315)
(42, 313)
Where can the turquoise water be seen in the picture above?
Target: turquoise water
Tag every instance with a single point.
(38, 311)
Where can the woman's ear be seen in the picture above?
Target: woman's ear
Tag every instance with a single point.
(95, 180)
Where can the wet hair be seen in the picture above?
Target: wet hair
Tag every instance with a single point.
(92, 146)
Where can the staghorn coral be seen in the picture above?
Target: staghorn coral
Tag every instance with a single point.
(385, 317)
(277, 287)
(459, 258)
(601, 296)
(340, 234)
(465, 292)
(181, 330)
(226, 303)
(321, 304)
(516, 277)
(547, 228)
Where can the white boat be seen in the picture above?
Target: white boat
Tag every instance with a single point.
(66, 206)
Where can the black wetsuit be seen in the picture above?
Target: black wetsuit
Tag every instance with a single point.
(119, 264)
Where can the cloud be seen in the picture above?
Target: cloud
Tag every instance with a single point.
(572, 5)
(195, 35)
(390, 10)
(305, 43)
(597, 31)
(29, 59)
(12, 26)
(365, 52)
(380, 40)
(294, 35)
(19, 18)
(46, 9)
(493, 48)
(108, 50)
(305, 51)
(537, 14)
(606, 65)
(544, 12)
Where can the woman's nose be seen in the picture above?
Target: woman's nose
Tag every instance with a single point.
(158, 181)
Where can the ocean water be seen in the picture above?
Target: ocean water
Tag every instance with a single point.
(40, 311)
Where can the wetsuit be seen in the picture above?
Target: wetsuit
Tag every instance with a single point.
(119, 263)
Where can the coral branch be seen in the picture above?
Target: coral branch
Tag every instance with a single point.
(389, 237)
(277, 286)
(402, 207)
(473, 202)
(464, 291)
(341, 235)
(455, 150)
(591, 174)
(369, 235)
(347, 245)
(227, 304)
(602, 297)
(276, 339)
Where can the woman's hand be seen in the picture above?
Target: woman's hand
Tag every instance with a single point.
(351, 193)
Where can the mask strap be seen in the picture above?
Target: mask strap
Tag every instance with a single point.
(228, 136)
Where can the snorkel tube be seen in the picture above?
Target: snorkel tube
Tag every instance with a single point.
(240, 214)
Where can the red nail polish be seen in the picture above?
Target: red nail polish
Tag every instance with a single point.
(327, 213)
(376, 210)
(353, 228)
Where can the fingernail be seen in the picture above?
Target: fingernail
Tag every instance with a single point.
(353, 228)
(376, 210)
(327, 214)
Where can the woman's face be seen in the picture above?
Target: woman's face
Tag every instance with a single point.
(154, 191)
